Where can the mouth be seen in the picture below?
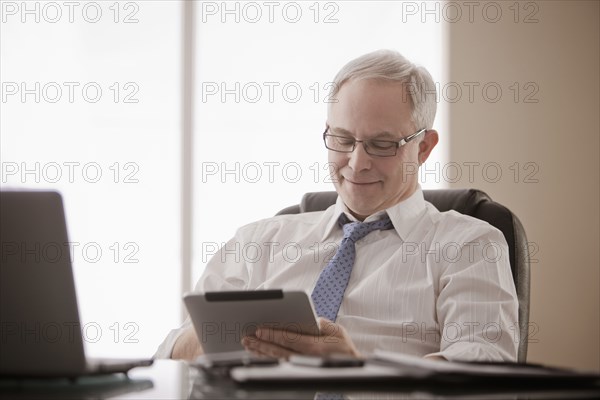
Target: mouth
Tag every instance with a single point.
(359, 183)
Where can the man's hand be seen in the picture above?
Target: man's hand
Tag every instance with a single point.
(282, 344)
(187, 346)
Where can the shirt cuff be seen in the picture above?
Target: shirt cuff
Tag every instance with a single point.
(470, 352)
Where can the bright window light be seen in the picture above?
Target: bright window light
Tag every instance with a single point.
(95, 115)
(262, 78)
(91, 106)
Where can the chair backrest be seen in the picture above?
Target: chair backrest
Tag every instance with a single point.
(477, 204)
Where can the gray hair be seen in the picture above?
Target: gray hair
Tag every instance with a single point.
(388, 65)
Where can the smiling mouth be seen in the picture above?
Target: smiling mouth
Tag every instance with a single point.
(361, 183)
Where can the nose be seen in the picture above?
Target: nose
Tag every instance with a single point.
(359, 159)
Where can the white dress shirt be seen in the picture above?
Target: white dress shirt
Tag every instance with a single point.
(436, 284)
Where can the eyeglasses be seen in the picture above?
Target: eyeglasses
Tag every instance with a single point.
(374, 147)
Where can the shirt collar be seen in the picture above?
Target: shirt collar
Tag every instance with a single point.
(404, 215)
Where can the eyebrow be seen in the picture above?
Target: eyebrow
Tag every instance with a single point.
(379, 135)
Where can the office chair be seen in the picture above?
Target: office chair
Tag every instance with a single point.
(477, 204)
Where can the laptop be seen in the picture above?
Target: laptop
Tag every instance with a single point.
(40, 330)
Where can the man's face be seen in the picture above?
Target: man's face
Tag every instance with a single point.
(368, 109)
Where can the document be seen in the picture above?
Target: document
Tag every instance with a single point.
(390, 367)
(479, 369)
(286, 371)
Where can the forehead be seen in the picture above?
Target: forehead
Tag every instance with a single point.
(370, 106)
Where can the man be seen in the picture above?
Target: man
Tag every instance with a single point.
(421, 282)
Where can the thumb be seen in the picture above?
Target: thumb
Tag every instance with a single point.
(327, 327)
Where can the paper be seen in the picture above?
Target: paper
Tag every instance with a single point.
(470, 369)
(397, 366)
(287, 371)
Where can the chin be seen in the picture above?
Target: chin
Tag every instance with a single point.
(360, 199)
(360, 208)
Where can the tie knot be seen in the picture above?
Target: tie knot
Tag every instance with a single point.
(358, 230)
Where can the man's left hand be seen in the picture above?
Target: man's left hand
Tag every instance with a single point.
(279, 343)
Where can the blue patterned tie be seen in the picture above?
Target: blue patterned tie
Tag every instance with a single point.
(331, 285)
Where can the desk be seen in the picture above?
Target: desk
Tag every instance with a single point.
(168, 379)
(174, 379)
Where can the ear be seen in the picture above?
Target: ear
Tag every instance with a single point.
(427, 144)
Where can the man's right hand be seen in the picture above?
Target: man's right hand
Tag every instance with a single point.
(187, 346)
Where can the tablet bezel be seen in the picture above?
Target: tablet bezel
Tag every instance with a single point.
(221, 319)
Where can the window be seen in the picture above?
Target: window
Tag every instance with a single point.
(263, 73)
(91, 108)
(93, 105)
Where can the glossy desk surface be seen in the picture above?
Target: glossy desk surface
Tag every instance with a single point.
(168, 379)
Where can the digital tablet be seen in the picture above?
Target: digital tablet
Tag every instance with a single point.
(222, 319)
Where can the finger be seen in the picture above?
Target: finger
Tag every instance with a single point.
(249, 338)
(336, 336)
(255, 352)
(293, 341)
(267, 349)
(327, 327)
(247, 343)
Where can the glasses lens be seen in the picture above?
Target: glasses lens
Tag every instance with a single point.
(339, 143)
(383, 148)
